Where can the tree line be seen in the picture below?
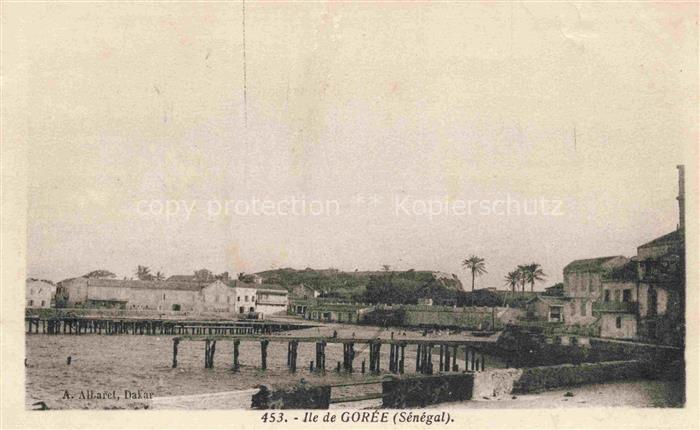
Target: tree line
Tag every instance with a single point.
(143, 273)
(389, 288)
(522, 275)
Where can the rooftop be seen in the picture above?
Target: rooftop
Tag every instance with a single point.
(626, 272)
(550, 300)
(675, 237)
(155, 285)
(181, 278)
(593, 264)
(240, 284)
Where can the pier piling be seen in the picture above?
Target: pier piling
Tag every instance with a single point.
(175, 343)
(321, 356)
(235, 366)
(446, 368)
(263, 353)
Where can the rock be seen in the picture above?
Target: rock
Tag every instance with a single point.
(569, 394)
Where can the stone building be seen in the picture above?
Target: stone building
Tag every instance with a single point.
(645, 299)
(639, 298)
(243, 297)
(556, 290)
(302, 291)
(271, 299)
(175, 294)
(39, 293)
(583, 285)
(335, 312)
(129, 294)
(661, 277)
(546, 308)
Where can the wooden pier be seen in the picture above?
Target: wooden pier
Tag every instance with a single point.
(473, 352)
(142, 326)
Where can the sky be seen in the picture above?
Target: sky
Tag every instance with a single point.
(349, 135)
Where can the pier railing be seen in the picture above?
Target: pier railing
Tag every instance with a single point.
(140, 326)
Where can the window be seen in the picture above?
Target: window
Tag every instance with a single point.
(583, 308)
(43, 303)
(627, 295)
(163, 296)
(238, 299)
(618, 322)
(228, 299)
(617, 295)
(31, 303)
(252, 298)
(246, 298)
(252, 309)
(606, 298)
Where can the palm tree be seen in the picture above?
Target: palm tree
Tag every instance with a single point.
(476, 265)
(532, 274)
(523, 269)
(513, 279)
(160, 276)
(144, 273)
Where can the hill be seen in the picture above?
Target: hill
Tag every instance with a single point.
(336, 283)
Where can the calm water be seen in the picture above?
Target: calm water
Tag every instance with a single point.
(118, 363)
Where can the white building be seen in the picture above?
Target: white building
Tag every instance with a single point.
(234, 297)
(39, 293)
(271, 299)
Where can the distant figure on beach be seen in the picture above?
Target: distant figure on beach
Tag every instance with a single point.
(335, 334)
(68, 360)
(353, 335)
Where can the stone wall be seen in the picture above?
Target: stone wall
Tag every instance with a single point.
(468, 317)
(627, 325)
(616, 350)
(495, 383)
(399, 393)
(529, 347)
(297, 397)
(564, 375)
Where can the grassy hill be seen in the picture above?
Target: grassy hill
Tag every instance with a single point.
(335, 283)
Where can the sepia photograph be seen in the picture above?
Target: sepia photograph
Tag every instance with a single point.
(390, 213)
